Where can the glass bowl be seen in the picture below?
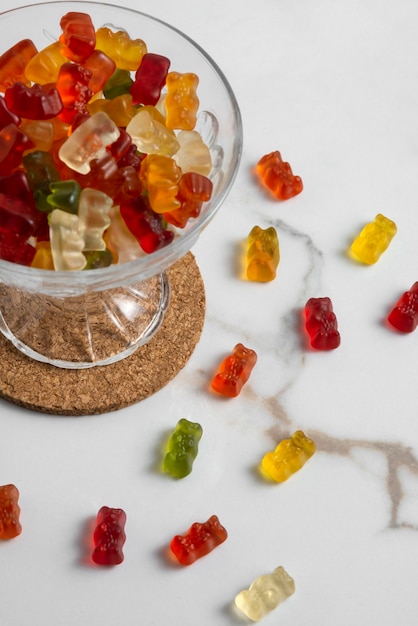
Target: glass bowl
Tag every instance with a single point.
(80, 319)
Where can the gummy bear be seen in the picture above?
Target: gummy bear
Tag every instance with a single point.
(16, 249)
(43, 256)
(373, 240)
(193, 190)
(118, 84)
(13, 143)
(404, 316)
(263, 254)
(146, 225)
(17, 210)
(6, 116)
(288, 457)
(109, 536)
(78, 36)
(122, 244)
(34, 103)
(150, 78)
(321, 324)
(193, 154)
(234, 371)
(67, 243)
(127, 53)
(65, 195)
(181, 102)
(41, 172)
(121, 146)
(95, 259)
(182, 448)
(123, 185)
(120, 109)
(101, 68)
(199, 540)
(150, 136)
(277, 176)
(44, 66)
(73, 87)
(161, 176)
(13, 63)
(18, 213)
(88, 141)
(132, 158)
(102, 171)
(40, 132)
(10, 526)
(265, 594)
(93, 218)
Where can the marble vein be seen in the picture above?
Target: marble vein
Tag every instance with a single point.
(397, 456)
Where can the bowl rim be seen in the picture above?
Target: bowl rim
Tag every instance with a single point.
(149, 264)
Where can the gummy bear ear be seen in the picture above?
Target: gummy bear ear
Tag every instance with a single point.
(284, 577)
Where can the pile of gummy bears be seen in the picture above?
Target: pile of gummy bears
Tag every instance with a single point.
(95, 167)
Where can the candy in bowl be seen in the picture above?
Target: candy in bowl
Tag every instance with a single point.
(120, 139)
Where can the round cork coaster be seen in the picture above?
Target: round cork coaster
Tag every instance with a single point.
(49, 389)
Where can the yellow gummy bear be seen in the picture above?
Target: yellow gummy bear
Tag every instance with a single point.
(127, 53)
(120, 109)
(373, 240)
(44, 67)
(263, 254)
(43, 256)
(288, 457)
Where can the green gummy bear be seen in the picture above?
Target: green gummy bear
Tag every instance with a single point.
(182, 448)
(118, 84)
(65, 195)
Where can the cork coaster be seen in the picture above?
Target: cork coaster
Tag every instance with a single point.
(48, 389)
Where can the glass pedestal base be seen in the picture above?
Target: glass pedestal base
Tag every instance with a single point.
(46, 388)
(90, 329)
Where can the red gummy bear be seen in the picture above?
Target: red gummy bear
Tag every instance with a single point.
(146, 225)
(16, 249)
(73, 87)
(6, 116)
(199, 540)
(34, 103)
(277, 176)
(321, 324)
(18, 213)
(109, 536)
(13, 143)
(149, 79)
(234, 371)
(404, 316)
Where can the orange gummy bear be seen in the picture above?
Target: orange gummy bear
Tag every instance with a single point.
(9, 512)
(277, 176)
(234, 371)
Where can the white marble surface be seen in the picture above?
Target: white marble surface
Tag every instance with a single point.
(333, 86)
